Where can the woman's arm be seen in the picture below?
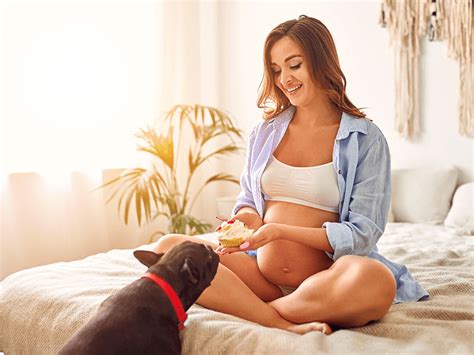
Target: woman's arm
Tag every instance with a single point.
(249, 216)
(367, 211)
(245, 197)
(312, 237)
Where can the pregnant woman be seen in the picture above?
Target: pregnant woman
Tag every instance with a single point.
(316, 190)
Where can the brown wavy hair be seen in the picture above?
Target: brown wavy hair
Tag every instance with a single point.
(319, 49)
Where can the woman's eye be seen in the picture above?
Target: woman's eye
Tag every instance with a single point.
(292, 67)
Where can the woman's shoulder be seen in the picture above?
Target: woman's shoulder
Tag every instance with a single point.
(364, 137)
(370, 132)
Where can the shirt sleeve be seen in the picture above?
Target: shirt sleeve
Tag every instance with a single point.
(368, 207)
(245, 197)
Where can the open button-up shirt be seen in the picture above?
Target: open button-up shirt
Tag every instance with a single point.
(361, 158)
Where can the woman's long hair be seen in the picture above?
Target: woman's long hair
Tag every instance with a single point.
(319, 49)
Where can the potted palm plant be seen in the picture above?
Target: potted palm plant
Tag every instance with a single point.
(159, 190)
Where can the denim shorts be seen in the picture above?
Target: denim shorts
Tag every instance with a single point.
(286, 290)
(252, 253)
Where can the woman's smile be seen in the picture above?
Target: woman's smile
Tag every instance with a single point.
(293, 89)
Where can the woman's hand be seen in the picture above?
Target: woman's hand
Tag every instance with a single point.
(263, 235)
(249, 217)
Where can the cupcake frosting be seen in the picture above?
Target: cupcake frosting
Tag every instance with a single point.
(234, 229)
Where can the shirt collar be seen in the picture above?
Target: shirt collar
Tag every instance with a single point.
(348, 124)
(284, 117)
(351, 124)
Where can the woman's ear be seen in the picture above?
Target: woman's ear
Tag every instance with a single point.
(189, 269)
(147, 258)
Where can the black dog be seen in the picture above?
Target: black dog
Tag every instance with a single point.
(140, 319)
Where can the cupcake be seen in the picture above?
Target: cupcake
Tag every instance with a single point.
(233, 233)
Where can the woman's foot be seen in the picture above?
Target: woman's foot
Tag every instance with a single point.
(310, 327)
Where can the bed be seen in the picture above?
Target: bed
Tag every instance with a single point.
(41, 307)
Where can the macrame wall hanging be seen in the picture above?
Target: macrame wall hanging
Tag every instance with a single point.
(407, 21)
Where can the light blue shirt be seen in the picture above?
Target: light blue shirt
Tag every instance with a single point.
(361, 158)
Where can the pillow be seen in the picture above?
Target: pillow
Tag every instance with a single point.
(423, 195)
(461, 215)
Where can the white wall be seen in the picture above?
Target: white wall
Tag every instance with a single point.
(82, 69)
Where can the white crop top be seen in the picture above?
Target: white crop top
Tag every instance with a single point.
(313, 186)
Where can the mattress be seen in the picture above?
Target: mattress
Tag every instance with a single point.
(41, 307)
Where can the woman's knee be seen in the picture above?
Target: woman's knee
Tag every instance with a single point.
(364, 269)
(375, 282)
(167, 241)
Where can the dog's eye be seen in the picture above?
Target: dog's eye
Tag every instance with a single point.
(190, 269)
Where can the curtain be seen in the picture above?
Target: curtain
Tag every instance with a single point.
(78, 81)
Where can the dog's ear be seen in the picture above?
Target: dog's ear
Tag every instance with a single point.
(189, 269)
(147, 258)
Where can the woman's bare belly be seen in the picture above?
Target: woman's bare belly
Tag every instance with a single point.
(288, 263)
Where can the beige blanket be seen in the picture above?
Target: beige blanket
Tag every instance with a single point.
(41, 308)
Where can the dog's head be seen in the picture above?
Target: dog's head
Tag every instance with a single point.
(188, 267)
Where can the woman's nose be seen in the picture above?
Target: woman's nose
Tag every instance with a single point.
(285, 78)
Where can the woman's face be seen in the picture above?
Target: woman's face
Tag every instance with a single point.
(291, 72)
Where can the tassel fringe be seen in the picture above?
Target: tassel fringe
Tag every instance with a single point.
(407, 21)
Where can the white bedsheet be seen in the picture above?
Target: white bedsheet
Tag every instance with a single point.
(40, 308)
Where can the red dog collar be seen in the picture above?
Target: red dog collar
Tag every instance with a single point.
(173, 297)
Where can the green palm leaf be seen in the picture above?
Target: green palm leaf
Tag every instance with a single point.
(222, 177)
(156, 192)
(160, 146)
(221, 151)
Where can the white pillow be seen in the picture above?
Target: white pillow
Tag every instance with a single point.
(461, 215)
(423, 195)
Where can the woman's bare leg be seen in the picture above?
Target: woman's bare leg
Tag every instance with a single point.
(352, 292)
(229, 293)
